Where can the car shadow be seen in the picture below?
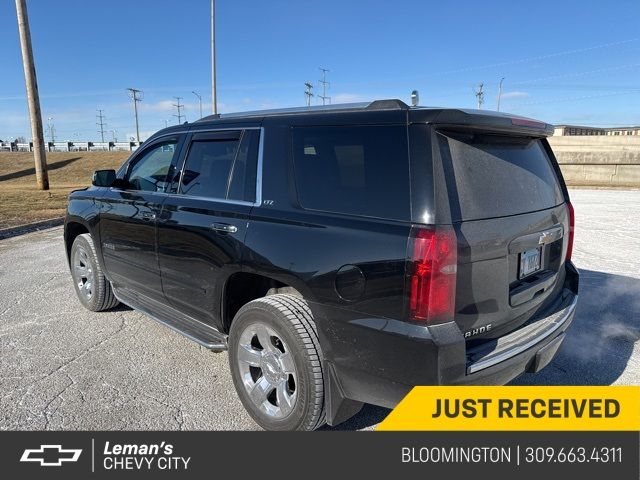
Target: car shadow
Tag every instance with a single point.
(596, 350)
(32, 171)
(369, 416)
(121, 307)
(601, 339)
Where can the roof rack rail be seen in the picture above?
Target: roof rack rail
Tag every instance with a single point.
(392, 104)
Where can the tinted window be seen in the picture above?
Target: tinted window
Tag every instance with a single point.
(243, 181)
(222, 168)
(208, 167)
(149, 172)
(354, 170)
(496, 176)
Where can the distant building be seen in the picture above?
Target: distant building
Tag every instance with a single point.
(564, 130)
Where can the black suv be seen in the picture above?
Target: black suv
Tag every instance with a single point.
(341, 254)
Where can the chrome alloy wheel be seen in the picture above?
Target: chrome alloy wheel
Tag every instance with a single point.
(83, 272)
(267, 370)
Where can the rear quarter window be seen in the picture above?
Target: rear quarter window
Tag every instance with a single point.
(492, 176)
(357, 170)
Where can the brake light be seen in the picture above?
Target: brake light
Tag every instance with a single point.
(433, 254)
(527, 122)
(572, 224)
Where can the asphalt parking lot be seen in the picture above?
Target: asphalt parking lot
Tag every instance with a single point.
(62, 367)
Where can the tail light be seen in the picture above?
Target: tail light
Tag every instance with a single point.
(572, 223)
(433, 263)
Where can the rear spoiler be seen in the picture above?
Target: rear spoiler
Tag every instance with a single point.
(491, 122)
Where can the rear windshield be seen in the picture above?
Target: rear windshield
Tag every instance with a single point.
(497, 176)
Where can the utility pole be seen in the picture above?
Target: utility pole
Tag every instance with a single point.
(480, 95)
(137, 96)
(33, 98)
(308, 92)
(325, 85)
(100, 123)
(52, 130)
(179, 107)
(114, 134)
(214, 97)
(200, 100)
(500, 93)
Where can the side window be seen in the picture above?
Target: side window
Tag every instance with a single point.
(361, 170)
(245, 168)
(208, 167)
(149, 172)
(222, 168)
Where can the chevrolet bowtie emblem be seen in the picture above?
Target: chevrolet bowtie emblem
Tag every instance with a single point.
(50, 455)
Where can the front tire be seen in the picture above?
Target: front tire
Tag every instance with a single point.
(276, 363)
(93, 289)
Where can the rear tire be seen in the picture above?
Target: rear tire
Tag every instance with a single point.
(93, 289)
(276, 363)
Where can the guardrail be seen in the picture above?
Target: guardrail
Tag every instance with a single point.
(71, 146)
(603, 161)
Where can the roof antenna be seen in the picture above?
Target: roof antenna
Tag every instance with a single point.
(415, 98)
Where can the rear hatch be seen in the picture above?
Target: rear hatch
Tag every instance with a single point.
(507, 205)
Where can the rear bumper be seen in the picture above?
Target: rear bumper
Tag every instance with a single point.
(387, 362)
(523, 339)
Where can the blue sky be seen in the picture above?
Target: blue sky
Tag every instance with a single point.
(563, 62)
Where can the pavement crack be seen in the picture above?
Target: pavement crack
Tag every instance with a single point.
(45, 410)
(85, 352)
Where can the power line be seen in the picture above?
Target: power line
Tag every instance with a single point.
(491, 65)
(179, 107)
(137, 96)
(578, 74)
(530, 59)
(325, 85)
(572, 99)
(101, 124)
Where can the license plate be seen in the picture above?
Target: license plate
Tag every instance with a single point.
(529, 262)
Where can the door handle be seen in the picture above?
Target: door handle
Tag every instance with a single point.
(148, 216)
(224, 227)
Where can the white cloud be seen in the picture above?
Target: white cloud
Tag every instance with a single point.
(161, 106)
(508, 95)
(347, 98)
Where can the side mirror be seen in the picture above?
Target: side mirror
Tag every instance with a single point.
(103, 178)
(121, 184)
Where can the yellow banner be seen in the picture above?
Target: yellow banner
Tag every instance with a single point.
(460, 408)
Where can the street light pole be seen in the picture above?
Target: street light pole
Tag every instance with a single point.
(52, 129)
(200, 100)
(214, 98)
(33, 98)
(500, 93)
